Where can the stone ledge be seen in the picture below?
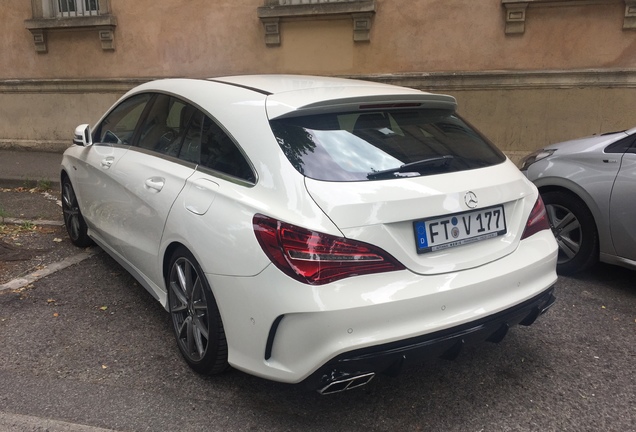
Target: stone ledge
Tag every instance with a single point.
(73, 85)
(516, 11)
(486, 80)
(507, 80)
(104, 25)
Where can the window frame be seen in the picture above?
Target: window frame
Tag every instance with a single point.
(46, 19)
(134, 142)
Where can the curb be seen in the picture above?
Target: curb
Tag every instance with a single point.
(15, 221)
(15, 182)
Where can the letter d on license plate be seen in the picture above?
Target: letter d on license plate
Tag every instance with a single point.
(458, 229)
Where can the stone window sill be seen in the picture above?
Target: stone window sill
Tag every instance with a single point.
(360, 11)
(516, 11)
(103, 24)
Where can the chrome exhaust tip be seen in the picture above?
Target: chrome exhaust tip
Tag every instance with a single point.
(347, 383)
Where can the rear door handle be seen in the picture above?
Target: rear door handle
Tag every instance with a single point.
(155, 183)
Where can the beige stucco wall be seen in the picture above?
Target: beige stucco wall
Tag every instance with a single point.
(449, 38)
(203, 38)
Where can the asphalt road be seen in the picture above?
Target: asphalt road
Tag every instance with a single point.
(88, 348)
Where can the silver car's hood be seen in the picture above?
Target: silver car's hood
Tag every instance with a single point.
(591, 143)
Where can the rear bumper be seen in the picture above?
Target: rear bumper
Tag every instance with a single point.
(390, 357)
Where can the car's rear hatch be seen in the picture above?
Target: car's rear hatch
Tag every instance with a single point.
(385, 214)
(397, 168)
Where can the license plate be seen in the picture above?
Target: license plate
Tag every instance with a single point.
(458, 229)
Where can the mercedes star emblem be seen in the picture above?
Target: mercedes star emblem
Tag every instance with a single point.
(470, 199)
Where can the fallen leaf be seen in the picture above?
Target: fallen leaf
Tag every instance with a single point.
(57, 240)
(55, 315)
(103, 308)
(50, 301)
(603, 307)
(104, 367)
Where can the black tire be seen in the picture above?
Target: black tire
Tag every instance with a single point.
(574, 229)
(196, 321)
(73, 219)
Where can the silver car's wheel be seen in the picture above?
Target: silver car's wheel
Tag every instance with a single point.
(574, 229)
(73, 220)
(195, 317)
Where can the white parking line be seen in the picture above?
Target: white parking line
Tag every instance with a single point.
(50, 269)
(17, 422)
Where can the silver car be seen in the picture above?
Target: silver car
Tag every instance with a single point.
(588, 186)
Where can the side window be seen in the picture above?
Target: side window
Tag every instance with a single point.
(118, 127)
(165, 125)
(625, 145)
(218, 152)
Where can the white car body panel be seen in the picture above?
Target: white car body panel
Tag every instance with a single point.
(374, 309)
(152, 185)
(383, 213)
(91, 168)
(623, 208)
(294, 96)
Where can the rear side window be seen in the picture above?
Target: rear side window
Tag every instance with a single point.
(219, 153)
(382, 144)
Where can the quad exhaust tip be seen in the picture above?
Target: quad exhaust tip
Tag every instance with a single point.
(348, 383)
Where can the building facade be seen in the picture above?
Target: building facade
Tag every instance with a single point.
(525, 72)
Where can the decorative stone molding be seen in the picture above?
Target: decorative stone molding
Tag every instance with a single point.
(629, 23)
(509, 80)
(516, 11)
(515, 17)
(117, 86)
(361, 13)
(45, 21)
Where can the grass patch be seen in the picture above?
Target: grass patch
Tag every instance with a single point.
(42, 185)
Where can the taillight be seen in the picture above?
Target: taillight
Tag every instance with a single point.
(315, 258)
(537, 221)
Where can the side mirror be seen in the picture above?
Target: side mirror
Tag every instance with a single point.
(82, 136)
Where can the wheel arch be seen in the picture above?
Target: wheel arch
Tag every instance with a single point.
(167, 254)
(580, 193)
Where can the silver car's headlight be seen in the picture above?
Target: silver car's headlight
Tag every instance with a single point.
(535, 157)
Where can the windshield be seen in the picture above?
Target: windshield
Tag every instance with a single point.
(382, 144)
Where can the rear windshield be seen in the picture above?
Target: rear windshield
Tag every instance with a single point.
(382, 145)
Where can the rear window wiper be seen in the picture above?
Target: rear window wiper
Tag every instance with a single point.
(430, 164)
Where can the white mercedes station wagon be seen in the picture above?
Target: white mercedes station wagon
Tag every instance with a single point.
(311, 229)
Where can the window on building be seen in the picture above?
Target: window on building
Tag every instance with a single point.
(71, 8)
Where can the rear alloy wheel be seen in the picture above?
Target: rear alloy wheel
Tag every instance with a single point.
(73, 219)
(195, 316)
(574, 229)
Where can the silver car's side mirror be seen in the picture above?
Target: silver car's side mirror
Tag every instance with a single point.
(82, 136)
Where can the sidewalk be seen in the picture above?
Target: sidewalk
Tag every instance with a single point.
(27, 168)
